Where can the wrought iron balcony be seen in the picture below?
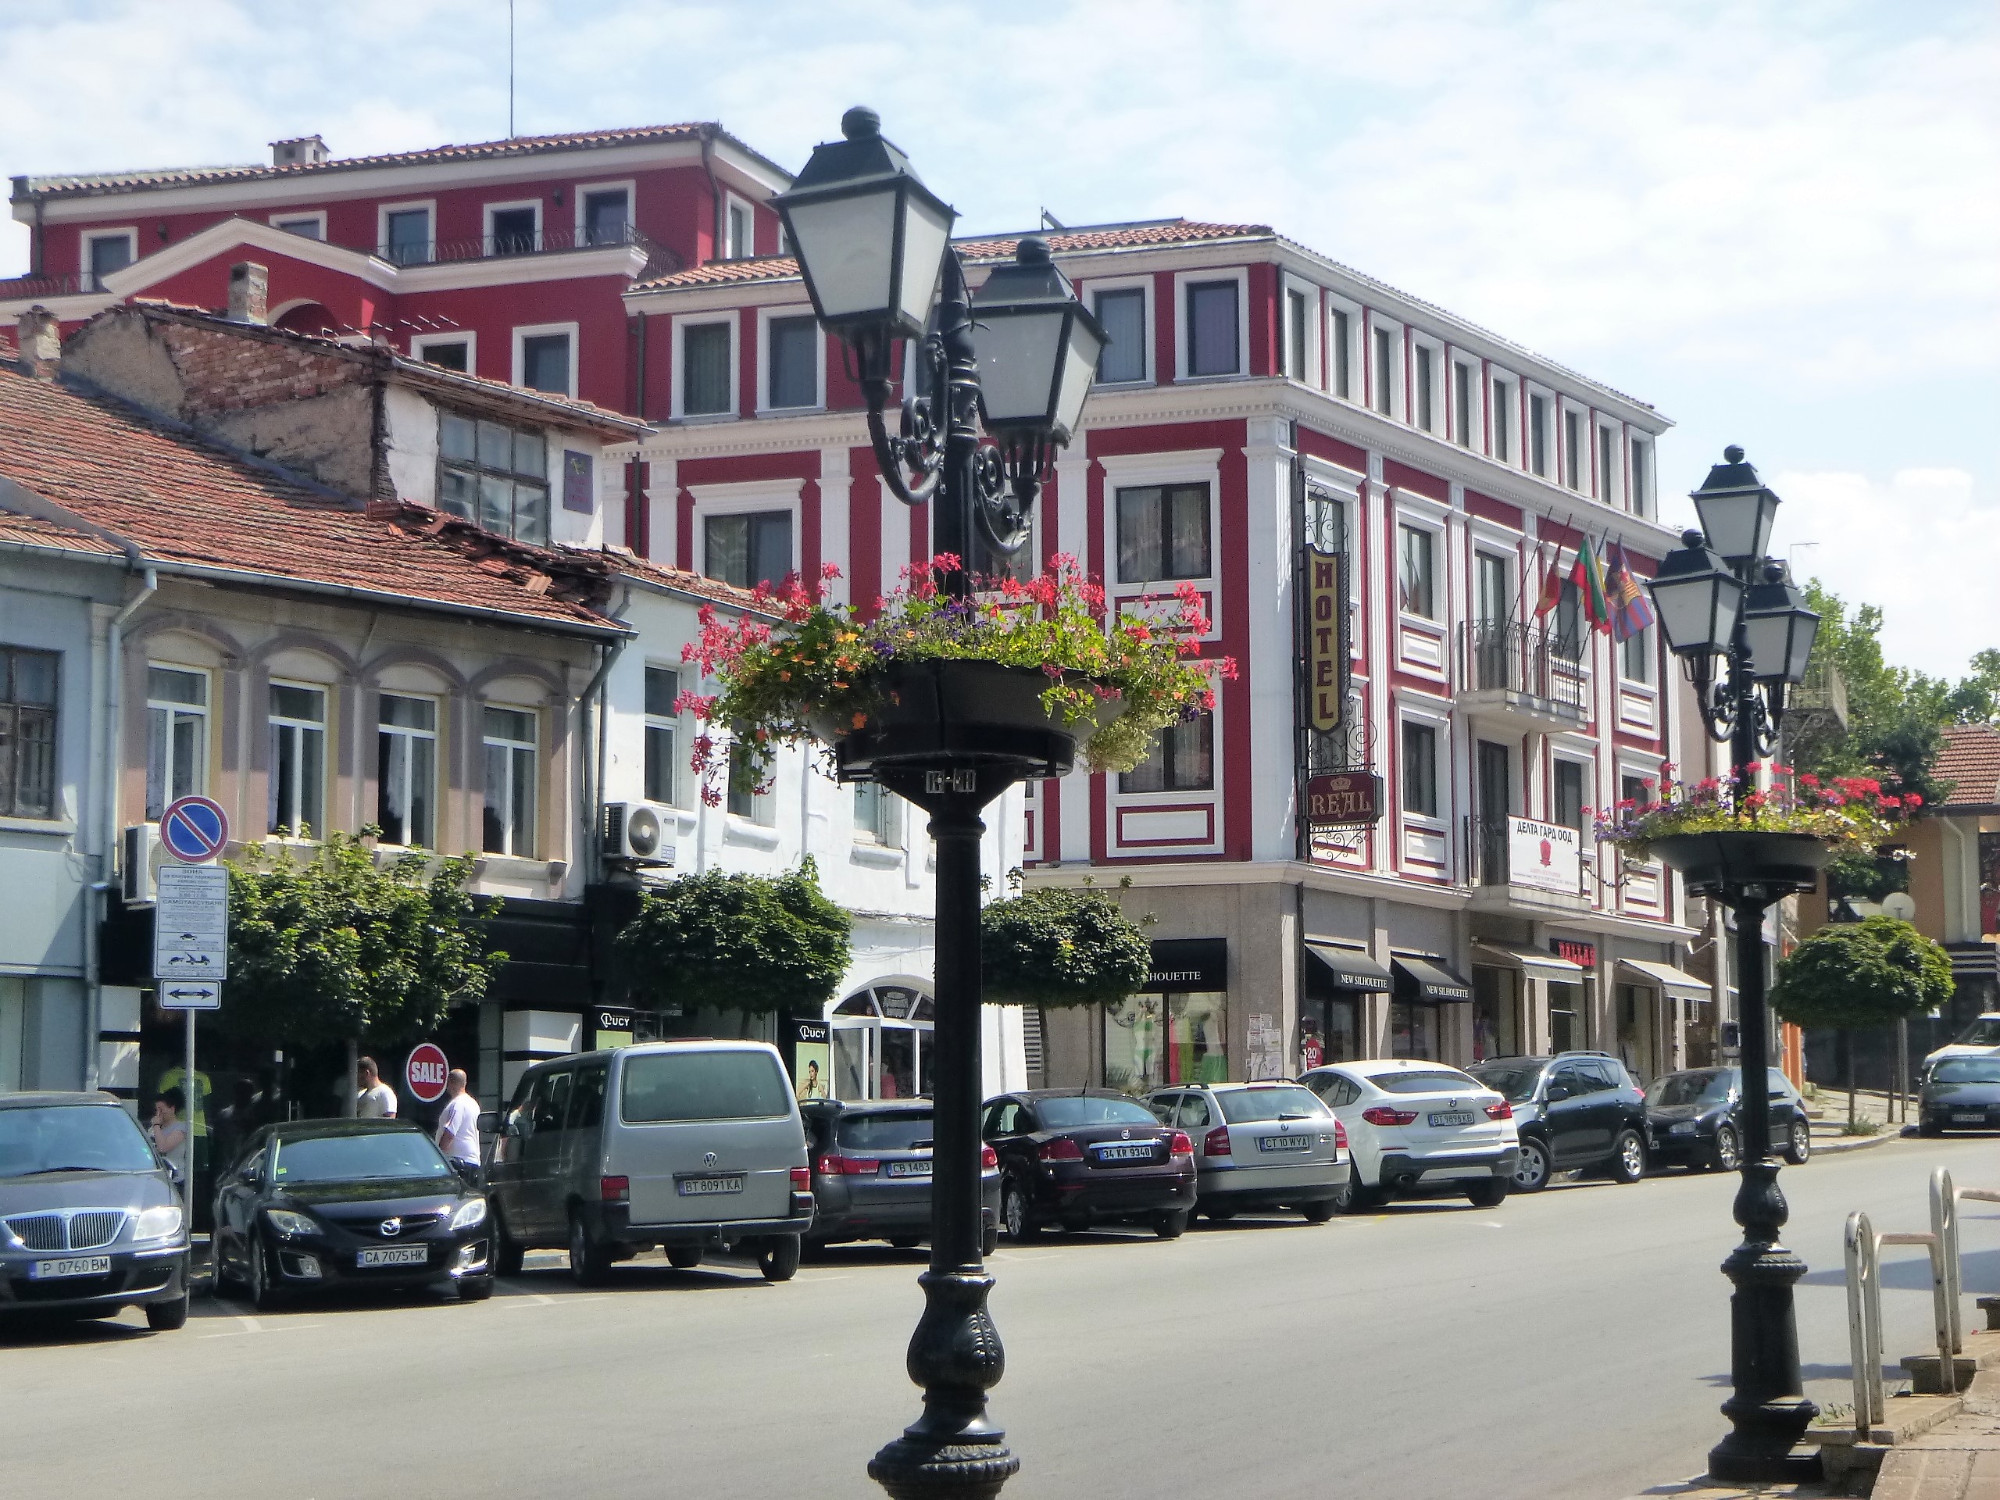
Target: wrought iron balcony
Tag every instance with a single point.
(660, 261)
(1497, 886)
(1528, 673)
(65, 284)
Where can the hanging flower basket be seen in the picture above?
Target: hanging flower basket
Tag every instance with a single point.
(1712, 863)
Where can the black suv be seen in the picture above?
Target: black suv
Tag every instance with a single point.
(1696, 1119)
(1573, 1110)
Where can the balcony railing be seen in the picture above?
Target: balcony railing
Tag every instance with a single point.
(1506, 656)
(67, 284)
(1488, 862)
(660, 261)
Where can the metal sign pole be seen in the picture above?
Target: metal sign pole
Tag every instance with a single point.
(193, 1091)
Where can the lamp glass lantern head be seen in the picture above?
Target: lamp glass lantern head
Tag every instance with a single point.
(1736, 509)
(869, 236)
(1778, 629)
(1037, 347)
(1696, 596)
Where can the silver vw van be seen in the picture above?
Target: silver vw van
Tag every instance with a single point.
(686, 1145)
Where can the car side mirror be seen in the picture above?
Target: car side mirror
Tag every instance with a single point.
(1556, 1093)
(467, 1169)
(489, 1122)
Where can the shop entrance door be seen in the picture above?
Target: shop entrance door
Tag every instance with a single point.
(882, 1044)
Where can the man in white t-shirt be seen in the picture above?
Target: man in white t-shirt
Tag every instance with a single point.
(458, 1126)
(376, 1100)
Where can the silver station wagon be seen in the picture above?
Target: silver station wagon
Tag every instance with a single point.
(1259, 1146)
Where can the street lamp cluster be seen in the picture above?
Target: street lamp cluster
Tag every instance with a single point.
(1722, 601)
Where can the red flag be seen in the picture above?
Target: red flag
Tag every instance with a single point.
(1552, 586)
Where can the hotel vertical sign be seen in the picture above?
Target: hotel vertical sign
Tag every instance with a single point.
(1326, 640)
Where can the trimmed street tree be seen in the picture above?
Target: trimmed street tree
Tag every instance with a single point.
(1861, 974)
(333, 947)
(751, 943)
(1061, 946)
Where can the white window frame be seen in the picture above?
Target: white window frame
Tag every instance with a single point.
(746, 497)
(1379, 324)
(420, 342)
(1141, 470)
(1651, 657)
(1182, 280)
(581, 190)
(534, 748)
(669, 722)
(1143, 285)
(1440, 569)
(1560, 755)
(1551, 433)
(84, 249)
(1608, 443)
(434, 734)
(1440, 361)
(1475, 417)
(1504, 416)
(1578, 483)
(763, 813)
(325, 727)
(279, 221)
(1315, 322)
(765, 317)
(1439, 819)
(205, 711)
(525, 331)
(888, 830)
(684, 321)
(731, 202)
(382, 212)
(1639, 471)
(1357, 351)
(488, 210)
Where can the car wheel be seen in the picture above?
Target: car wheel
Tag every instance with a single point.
(1533, 1168)
(508, 1252)
(683, 1257)
(1221, 1214)
(1173, 1223)
(1798, 1150)
(259, 1277)
(779, 1260)
(1021, 1225)
(475, 1288)
(1628, 1157)
(1320, 1212)
(1354, 1197)
(1488, 1194)
(1726, 1155)
(165, 1317)
(223, 1274)
(905, 1241)
(588, 1261)
(989, 1237)
(1929, 1128)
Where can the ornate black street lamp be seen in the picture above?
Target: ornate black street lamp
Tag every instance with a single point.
(1721, 601)
(874, 247)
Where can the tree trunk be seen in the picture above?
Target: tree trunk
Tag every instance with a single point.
(349, 1095)
(1847, 1069)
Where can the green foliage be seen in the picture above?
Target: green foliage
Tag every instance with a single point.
(329, 945)
(1061, 947)
(1864, 876)
(1859, 974)
(738, 942)
(1976, 699)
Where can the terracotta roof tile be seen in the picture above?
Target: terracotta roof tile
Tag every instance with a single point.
(1971, 758)
(87, 183)
(622, 561)
(183, 501)
(33, 531)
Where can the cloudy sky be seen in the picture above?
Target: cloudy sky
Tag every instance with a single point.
(1778, 222)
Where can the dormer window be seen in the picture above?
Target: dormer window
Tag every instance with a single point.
(495, 476)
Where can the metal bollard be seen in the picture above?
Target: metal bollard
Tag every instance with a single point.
(1864, 1324)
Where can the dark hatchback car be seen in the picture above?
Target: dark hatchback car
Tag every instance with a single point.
(1960, 1093)
(1576, 1111)
(1078, 1157)
(1696, 1119)
(90, 1219)
(871, 1174)
(348, 1204)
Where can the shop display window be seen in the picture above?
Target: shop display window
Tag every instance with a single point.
(1153, 1040)
(1329, 1032)
(1413, 1030)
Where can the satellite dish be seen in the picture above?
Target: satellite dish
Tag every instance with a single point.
(1899, 904)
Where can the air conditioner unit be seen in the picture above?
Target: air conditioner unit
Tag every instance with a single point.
(135, 862)
(638, 833)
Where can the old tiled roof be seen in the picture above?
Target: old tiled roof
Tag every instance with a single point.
(651, 571)
(1165, 232)
(182, 501)
(1971, 759)
(84, 184)
(33, 531)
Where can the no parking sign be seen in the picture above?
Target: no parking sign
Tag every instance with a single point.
(194, 830)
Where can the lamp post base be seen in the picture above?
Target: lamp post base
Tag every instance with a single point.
(951, 1452)
(1768, 1414)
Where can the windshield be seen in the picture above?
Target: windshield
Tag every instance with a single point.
(74, 1137)
(1425, 1081)
(664, 1086)
(1984, 1032)
(1710, 1086)
(1967, 1070)
(392, 1154)
(905, 1130)
(1251, 1106)
(1515, 1080)
(1062, 1114)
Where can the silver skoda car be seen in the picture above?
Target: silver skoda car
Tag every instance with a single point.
(1259, 1146)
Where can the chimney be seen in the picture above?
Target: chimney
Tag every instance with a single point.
(41, 343)
(249, 293)
(306, 151)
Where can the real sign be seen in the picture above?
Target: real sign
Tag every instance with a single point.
(425, 1072)
(1346, 797)
(1544, 856)
(191, 922)
(1326, 640)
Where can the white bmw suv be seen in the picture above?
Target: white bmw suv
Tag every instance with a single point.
(1409, 1121)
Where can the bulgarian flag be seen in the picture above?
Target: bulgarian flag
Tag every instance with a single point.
(1588, 577)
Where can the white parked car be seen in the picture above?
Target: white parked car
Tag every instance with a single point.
(1409, 1121)
(1980, 1039)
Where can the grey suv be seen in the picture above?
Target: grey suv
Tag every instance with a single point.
(90, 1219)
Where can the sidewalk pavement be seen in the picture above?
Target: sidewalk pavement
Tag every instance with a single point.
(1828, 1109)
(1958, 1459)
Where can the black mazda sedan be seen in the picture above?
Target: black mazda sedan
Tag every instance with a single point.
(348, 1204)
(1960, 1093)
(1077, 1157)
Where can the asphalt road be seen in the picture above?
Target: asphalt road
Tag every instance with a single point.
(1569, 1344)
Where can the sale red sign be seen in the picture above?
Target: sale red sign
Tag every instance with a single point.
(425, 1073)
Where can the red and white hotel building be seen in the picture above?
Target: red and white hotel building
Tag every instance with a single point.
(1256, 395)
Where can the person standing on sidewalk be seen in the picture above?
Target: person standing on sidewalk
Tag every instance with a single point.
(458, 1126)
(376, 1100)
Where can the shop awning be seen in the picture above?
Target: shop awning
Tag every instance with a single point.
(1429, 982)
(1334, 967)
(1530, 961)
(1677, 984)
